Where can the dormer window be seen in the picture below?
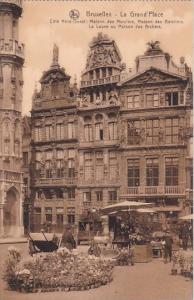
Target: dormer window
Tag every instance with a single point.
(171, 99)
(54, 89)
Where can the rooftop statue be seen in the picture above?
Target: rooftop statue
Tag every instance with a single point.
(55, 55)
(153, 48)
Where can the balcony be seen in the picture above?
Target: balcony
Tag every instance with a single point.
(153, 191)
(100, 81)
(55, 181)
(11, 48)
(172, 190)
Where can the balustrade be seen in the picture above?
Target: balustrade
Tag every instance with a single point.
(11, 47)
(155, 190)
(111, 79)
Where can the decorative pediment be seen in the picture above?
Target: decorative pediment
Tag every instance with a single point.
(152, 76)
(54, 75)
(103, 52)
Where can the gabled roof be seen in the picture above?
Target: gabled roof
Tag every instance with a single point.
(150, 72)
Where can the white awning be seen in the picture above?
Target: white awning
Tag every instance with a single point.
(187, 217)
(125, 205)
(146, 210)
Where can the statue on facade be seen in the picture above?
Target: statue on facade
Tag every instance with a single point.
(84, 102)
(113, 98)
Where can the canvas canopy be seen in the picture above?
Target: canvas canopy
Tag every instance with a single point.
(125, 205)
(187, 217)
(146, 210)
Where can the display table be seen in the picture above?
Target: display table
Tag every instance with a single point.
(142, 253)
(121, 244)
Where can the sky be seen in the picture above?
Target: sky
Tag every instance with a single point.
(39, 34)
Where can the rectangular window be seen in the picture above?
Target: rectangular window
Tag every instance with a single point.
(133, 132)
(112, 131)
(86, 197)
(99, 196)
(49, 132)
(88, 133)
(99, 166)
(152, 172)
(152, 100)
(71, 215)
(71, 219)
(38, 134)
(59, 163)
(133, 172)
(48, 164)
(99, 132)
(171, 171)
(112, 196)
(71, 130)
(171, 130)
(48, 214)
(133, 101)
(60, 131)
(88, 172)
(71, 168)
(55, 89)
(172, 99)
(152, 131)
(71, 193)
(113, 167)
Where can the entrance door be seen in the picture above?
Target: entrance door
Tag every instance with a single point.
(11, 213)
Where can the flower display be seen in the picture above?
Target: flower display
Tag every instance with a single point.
(183, 263)
(61, 270)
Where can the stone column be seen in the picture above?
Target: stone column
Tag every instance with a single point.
(1, 220)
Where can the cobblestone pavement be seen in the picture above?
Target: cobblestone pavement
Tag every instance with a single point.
(143, 281)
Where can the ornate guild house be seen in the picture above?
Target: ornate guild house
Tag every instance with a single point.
(125, 134)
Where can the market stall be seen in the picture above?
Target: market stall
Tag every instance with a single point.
(129, 224)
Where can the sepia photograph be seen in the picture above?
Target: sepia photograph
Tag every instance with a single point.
(96, 150)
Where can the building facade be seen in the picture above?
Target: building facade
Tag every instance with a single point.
(11, 83)
(156, 116)
(127, 135)
(54, 149)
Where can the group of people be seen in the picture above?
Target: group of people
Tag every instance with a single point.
(185, 234)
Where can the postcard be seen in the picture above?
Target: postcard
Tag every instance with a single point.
(96, 158)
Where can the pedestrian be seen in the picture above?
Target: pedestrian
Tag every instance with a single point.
(185, 236)
(68, 240)
(168, 242)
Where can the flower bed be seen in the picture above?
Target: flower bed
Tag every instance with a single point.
(59, 270)
(182, 263)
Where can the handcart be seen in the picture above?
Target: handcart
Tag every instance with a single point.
(43, 242)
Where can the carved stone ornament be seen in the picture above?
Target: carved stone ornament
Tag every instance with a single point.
(113, 98)
(152, 76)
(102, 52)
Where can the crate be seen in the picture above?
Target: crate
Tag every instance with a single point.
(142, 253)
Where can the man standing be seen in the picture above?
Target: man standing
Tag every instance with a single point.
(168, 247)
